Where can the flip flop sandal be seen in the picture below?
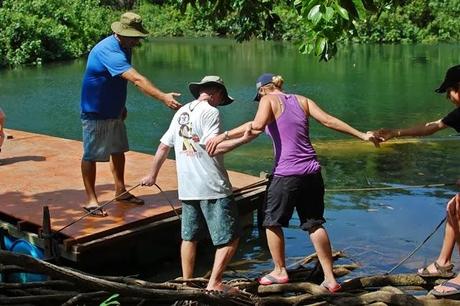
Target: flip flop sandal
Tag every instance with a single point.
(96, 212)
(130, 199)
(270, 280)
(331, 289)
(441, 271)
(447, 293)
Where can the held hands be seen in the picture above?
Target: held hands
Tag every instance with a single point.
(385, 134)
(248, 135)
(373, 137)
(148, 180)
(212, 143)
(170, 101)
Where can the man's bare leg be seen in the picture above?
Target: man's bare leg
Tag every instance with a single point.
(188, 255)
(88, 172)
(117, 166)
(451, 234)
(453, 221)
(221, 259)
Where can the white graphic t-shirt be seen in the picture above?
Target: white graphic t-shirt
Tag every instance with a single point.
(200, 176)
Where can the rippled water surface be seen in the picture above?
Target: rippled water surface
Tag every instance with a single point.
(366, 86)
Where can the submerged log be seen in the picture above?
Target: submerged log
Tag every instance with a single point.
(92, 282)
(377, 290)
(388, 280)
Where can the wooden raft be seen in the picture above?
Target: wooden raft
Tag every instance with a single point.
(39, 170)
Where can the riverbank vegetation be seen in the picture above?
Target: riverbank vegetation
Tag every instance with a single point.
(36, 31)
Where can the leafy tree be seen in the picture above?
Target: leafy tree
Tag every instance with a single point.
(36, 31)
(323, 22)
(43, 30)
(318, 25)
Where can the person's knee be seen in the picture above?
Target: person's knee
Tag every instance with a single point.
(453, 209)
(312, 229)
(232, 244)
(273, 228)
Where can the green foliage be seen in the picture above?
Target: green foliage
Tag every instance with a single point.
(42, 30)
(328, 21)
(416, 21)
(36, 31)
(316, 24)
(241, 19)
(166, 20)
(111, 301)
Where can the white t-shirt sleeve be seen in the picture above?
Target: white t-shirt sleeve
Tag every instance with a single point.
(211, 125)
(168, 138)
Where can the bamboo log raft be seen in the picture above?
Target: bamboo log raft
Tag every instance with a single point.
(71, 287)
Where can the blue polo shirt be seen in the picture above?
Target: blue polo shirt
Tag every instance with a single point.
(103, 94)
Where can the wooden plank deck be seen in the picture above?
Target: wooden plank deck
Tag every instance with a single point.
(38, 170)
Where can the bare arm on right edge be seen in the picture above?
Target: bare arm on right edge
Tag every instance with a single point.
(419, 130)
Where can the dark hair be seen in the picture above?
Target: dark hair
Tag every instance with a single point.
(206, 87)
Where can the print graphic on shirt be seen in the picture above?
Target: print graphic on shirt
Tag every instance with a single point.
(186, 132)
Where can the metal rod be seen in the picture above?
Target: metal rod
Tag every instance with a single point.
(417, 248)
(100, 207)
(170, 203)
(390, 188)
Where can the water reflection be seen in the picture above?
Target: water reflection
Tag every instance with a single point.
(367, 86)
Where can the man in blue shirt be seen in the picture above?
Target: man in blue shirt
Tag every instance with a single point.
(103, 110)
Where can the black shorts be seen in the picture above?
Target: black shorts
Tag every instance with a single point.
(305, 193)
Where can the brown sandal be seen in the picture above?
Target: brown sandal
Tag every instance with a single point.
(95, 211)
(441, 271)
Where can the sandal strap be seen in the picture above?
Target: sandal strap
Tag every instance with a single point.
(443, 269)
(450, 285)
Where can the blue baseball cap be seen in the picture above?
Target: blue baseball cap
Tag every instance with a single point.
(263, 80)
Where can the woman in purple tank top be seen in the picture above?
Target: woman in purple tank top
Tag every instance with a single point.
(297, 181)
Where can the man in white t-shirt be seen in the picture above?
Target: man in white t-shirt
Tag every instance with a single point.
(204, 187)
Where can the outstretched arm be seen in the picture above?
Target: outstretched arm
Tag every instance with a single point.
(337, 124)
(149, 89)
(230, 144)
(158, 160)
(419, 130)
(256, 127)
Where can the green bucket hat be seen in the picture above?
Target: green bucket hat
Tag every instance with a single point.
(130, 25)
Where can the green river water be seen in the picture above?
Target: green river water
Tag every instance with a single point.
(367, 86)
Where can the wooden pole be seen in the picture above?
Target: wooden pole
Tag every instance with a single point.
(46, 234)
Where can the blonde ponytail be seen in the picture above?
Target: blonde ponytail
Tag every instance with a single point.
(278, 81)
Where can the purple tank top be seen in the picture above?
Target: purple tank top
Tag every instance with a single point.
(294, 154)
